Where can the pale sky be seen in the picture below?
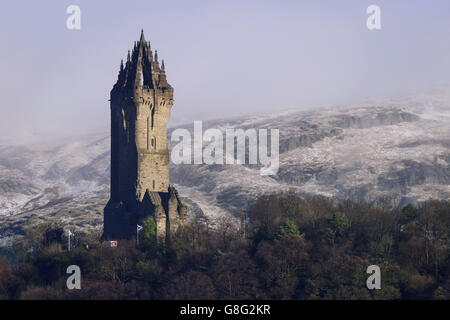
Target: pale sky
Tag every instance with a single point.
(223, 58)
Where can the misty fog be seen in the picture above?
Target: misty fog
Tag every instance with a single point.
(223, 58)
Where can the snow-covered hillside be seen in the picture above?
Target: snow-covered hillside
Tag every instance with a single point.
(398, 148)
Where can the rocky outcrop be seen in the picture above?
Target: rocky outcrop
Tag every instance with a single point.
(407, 173)
(383, 117)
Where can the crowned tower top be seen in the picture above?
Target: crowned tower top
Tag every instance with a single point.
(142, 70)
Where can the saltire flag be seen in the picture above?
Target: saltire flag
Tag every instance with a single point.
(139, 228)
(71, 233)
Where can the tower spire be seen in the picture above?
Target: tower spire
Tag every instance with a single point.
(142, 37)
(162, 65)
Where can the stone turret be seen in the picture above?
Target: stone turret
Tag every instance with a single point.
(141, 102)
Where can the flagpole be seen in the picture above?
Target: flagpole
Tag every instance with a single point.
(68, 240)
(137, 236)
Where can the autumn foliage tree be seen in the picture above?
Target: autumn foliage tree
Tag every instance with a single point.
(291, 248)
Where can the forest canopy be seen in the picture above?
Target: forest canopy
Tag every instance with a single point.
(285, 247)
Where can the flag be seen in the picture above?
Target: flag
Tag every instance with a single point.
(71, 233)
(139, 228)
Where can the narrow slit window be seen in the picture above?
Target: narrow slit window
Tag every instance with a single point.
(148, 133)
(153, 115)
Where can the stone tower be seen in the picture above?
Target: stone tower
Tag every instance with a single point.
(141, 101)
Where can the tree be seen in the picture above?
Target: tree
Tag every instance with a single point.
(149, 232)
(288, 229)
(281, 262)
(234, 276)
(339, 222)
(7, 278)
(192, 285)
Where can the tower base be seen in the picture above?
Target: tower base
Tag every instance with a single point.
(121, 219)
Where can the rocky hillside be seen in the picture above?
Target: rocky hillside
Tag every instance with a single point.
(397, 149)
